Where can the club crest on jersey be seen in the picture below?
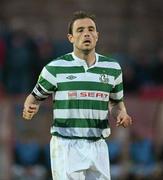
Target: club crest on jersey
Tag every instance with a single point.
(104, 78)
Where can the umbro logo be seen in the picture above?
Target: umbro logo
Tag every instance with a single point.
(71, 77)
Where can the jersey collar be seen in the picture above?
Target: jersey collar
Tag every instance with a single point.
(82, 62)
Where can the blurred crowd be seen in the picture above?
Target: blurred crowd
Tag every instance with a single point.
(31, 160)
(143, 71)
(136, 158)
(22, 56)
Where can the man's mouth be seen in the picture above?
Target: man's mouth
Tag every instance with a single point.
(87, 41)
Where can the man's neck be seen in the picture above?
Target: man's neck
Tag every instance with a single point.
(89, 57)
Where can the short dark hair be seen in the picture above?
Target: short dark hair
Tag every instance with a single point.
(80, 15)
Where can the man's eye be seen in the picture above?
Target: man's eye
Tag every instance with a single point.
(91, 29)
(80, 30)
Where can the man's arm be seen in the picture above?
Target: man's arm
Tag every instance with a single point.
(31, 107)
(118, 111)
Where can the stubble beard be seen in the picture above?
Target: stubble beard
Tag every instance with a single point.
(85, 51)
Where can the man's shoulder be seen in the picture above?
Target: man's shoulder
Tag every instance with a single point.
(108, 62)
(61, 60)
(66, 57)
(104, 58)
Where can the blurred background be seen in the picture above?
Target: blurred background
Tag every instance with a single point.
(32, 33)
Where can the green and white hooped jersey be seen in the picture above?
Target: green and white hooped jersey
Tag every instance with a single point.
(81, 95)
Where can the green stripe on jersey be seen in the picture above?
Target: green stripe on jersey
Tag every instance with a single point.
(62, 70)
(106, 59)
(81, 123)
(108, 71)
(84, 86)
(77, 137)
(117, 88)
(67, 57)
(80, 104)
(46, 84)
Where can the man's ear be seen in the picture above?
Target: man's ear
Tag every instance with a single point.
(97, 36)
(70, 38)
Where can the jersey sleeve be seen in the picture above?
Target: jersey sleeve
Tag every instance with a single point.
(117, 92)
(46, 84)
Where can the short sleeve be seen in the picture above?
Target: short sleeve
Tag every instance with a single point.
(117, 92)
(46, 84)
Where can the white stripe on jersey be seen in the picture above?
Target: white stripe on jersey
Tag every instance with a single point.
(119, 79)
(81, 132)
(83, 77)
(88, 95)
(81, 114)
(49, 77)
(45, 89)
(112, 65)
(117, 96)
(35, 90)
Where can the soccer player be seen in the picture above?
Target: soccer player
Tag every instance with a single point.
(86, 88)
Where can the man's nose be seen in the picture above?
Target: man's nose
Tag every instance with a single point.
(86, 33)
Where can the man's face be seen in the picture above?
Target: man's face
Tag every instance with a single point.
(84, 34)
